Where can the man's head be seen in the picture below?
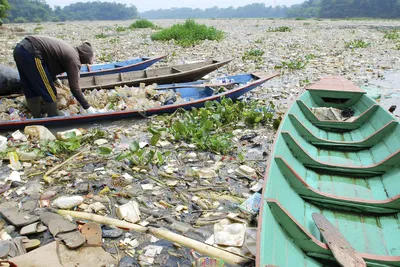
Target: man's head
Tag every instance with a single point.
(86, 53)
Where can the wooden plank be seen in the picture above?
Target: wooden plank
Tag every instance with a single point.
(344, 253)
(335, 83)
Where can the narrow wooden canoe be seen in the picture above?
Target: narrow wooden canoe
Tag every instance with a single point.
(348, 171)
(166, 75)
(135, 64)
(193, 94)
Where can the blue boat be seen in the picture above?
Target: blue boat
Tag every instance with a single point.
(116, 67)
(195, 94)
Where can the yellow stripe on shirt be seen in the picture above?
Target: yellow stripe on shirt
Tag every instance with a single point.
(45, 79)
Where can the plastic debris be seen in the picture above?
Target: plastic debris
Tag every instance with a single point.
(3, 143)
(14, 161)
(38, 132)
(68, 134)
(206, 173)
(17, 135)
(68, 202)
(129, 212)
(209, 262)
(252, 204)
(246, 171)
(100, 142)
(14, 177)
(227, 233)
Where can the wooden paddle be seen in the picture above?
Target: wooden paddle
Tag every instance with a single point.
(344, 253)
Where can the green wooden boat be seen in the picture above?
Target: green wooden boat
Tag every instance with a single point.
(348, 170)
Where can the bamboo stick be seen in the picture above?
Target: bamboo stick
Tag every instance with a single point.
(46, 175)
(162, 234)
(103, 220)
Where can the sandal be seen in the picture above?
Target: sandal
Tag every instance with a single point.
(34, 228)
(92, 233)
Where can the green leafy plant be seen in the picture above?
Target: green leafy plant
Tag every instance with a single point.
(188, 34)
(115, 41)
(253, 54)
(310, 56)
(392, 35)
(210, 127)
(142, 24)
(105, 57)
(280, 29)
(293, 64)
(37, 29)
(100, 36)
(68, 146)
(120, 29)
(357, 43)
(143, 156)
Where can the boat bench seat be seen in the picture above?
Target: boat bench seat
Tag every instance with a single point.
(370, 133)
(378, 194)
(364, 108)
(371, 162)
(374, 236)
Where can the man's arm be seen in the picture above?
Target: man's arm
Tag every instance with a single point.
(73, 80)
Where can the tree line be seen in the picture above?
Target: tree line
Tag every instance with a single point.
(308, 9)
(38, 10)
(389, 9)
(256, 10)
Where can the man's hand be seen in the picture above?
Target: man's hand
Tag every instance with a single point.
(90, 110)
(58, 83)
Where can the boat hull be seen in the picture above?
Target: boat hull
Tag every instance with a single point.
(185, 90)
(345, 170)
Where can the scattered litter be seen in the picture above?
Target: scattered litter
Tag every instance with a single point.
(100, 142)
(252, 204)
(129, 212)
(39, 133)
(227, 233)
(14, 177)
(206, 173)
(68, 134)
(68, 202)
(147, 186)
(18, 136)
(246, 171)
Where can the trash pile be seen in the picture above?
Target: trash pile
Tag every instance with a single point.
(74, 198)
(118, 99)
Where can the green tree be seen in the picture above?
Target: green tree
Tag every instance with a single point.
(4, 7)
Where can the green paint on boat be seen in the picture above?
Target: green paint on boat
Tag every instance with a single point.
(346, 170)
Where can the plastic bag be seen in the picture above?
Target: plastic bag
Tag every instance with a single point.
(10, 82)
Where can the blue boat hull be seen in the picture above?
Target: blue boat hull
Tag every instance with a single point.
(116, 67)
(199, 96)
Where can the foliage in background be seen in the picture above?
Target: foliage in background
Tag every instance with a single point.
(4, 7)
(38, 10)
(188, 34)
(210, 127)
(256, 10)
